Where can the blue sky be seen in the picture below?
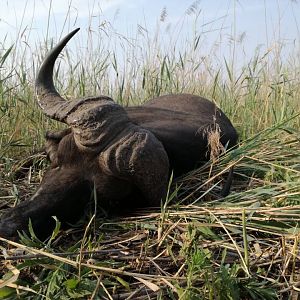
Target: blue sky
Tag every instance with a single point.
(255, 22)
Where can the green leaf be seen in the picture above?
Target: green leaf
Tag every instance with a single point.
(208, 233)
(5, 292)
(124, 283)
(71, 284)
(4, 57)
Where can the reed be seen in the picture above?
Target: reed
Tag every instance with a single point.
(245, 246)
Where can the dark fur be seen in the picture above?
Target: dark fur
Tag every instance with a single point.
(66, 187)
(125, 155)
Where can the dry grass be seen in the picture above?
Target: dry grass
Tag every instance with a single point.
(243, 246)
(197, 245)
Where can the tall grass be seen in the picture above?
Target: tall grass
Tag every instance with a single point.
(242, 247)
(147, 64)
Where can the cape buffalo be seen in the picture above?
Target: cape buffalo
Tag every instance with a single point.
(126, 155)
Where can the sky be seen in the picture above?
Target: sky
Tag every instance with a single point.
(252, 23)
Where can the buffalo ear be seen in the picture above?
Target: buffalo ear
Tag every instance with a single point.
(53, 139)
(141, 159)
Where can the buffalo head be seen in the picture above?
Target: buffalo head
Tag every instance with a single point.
(102, 150)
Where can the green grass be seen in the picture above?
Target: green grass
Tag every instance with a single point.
(245, 246)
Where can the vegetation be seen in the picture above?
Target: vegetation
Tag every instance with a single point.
(196, 246)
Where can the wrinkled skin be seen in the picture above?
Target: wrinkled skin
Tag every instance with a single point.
(133, 169)
(126, 155)
(179, 122)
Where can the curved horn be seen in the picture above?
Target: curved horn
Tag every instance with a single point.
(52, 104)
(94, 120)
